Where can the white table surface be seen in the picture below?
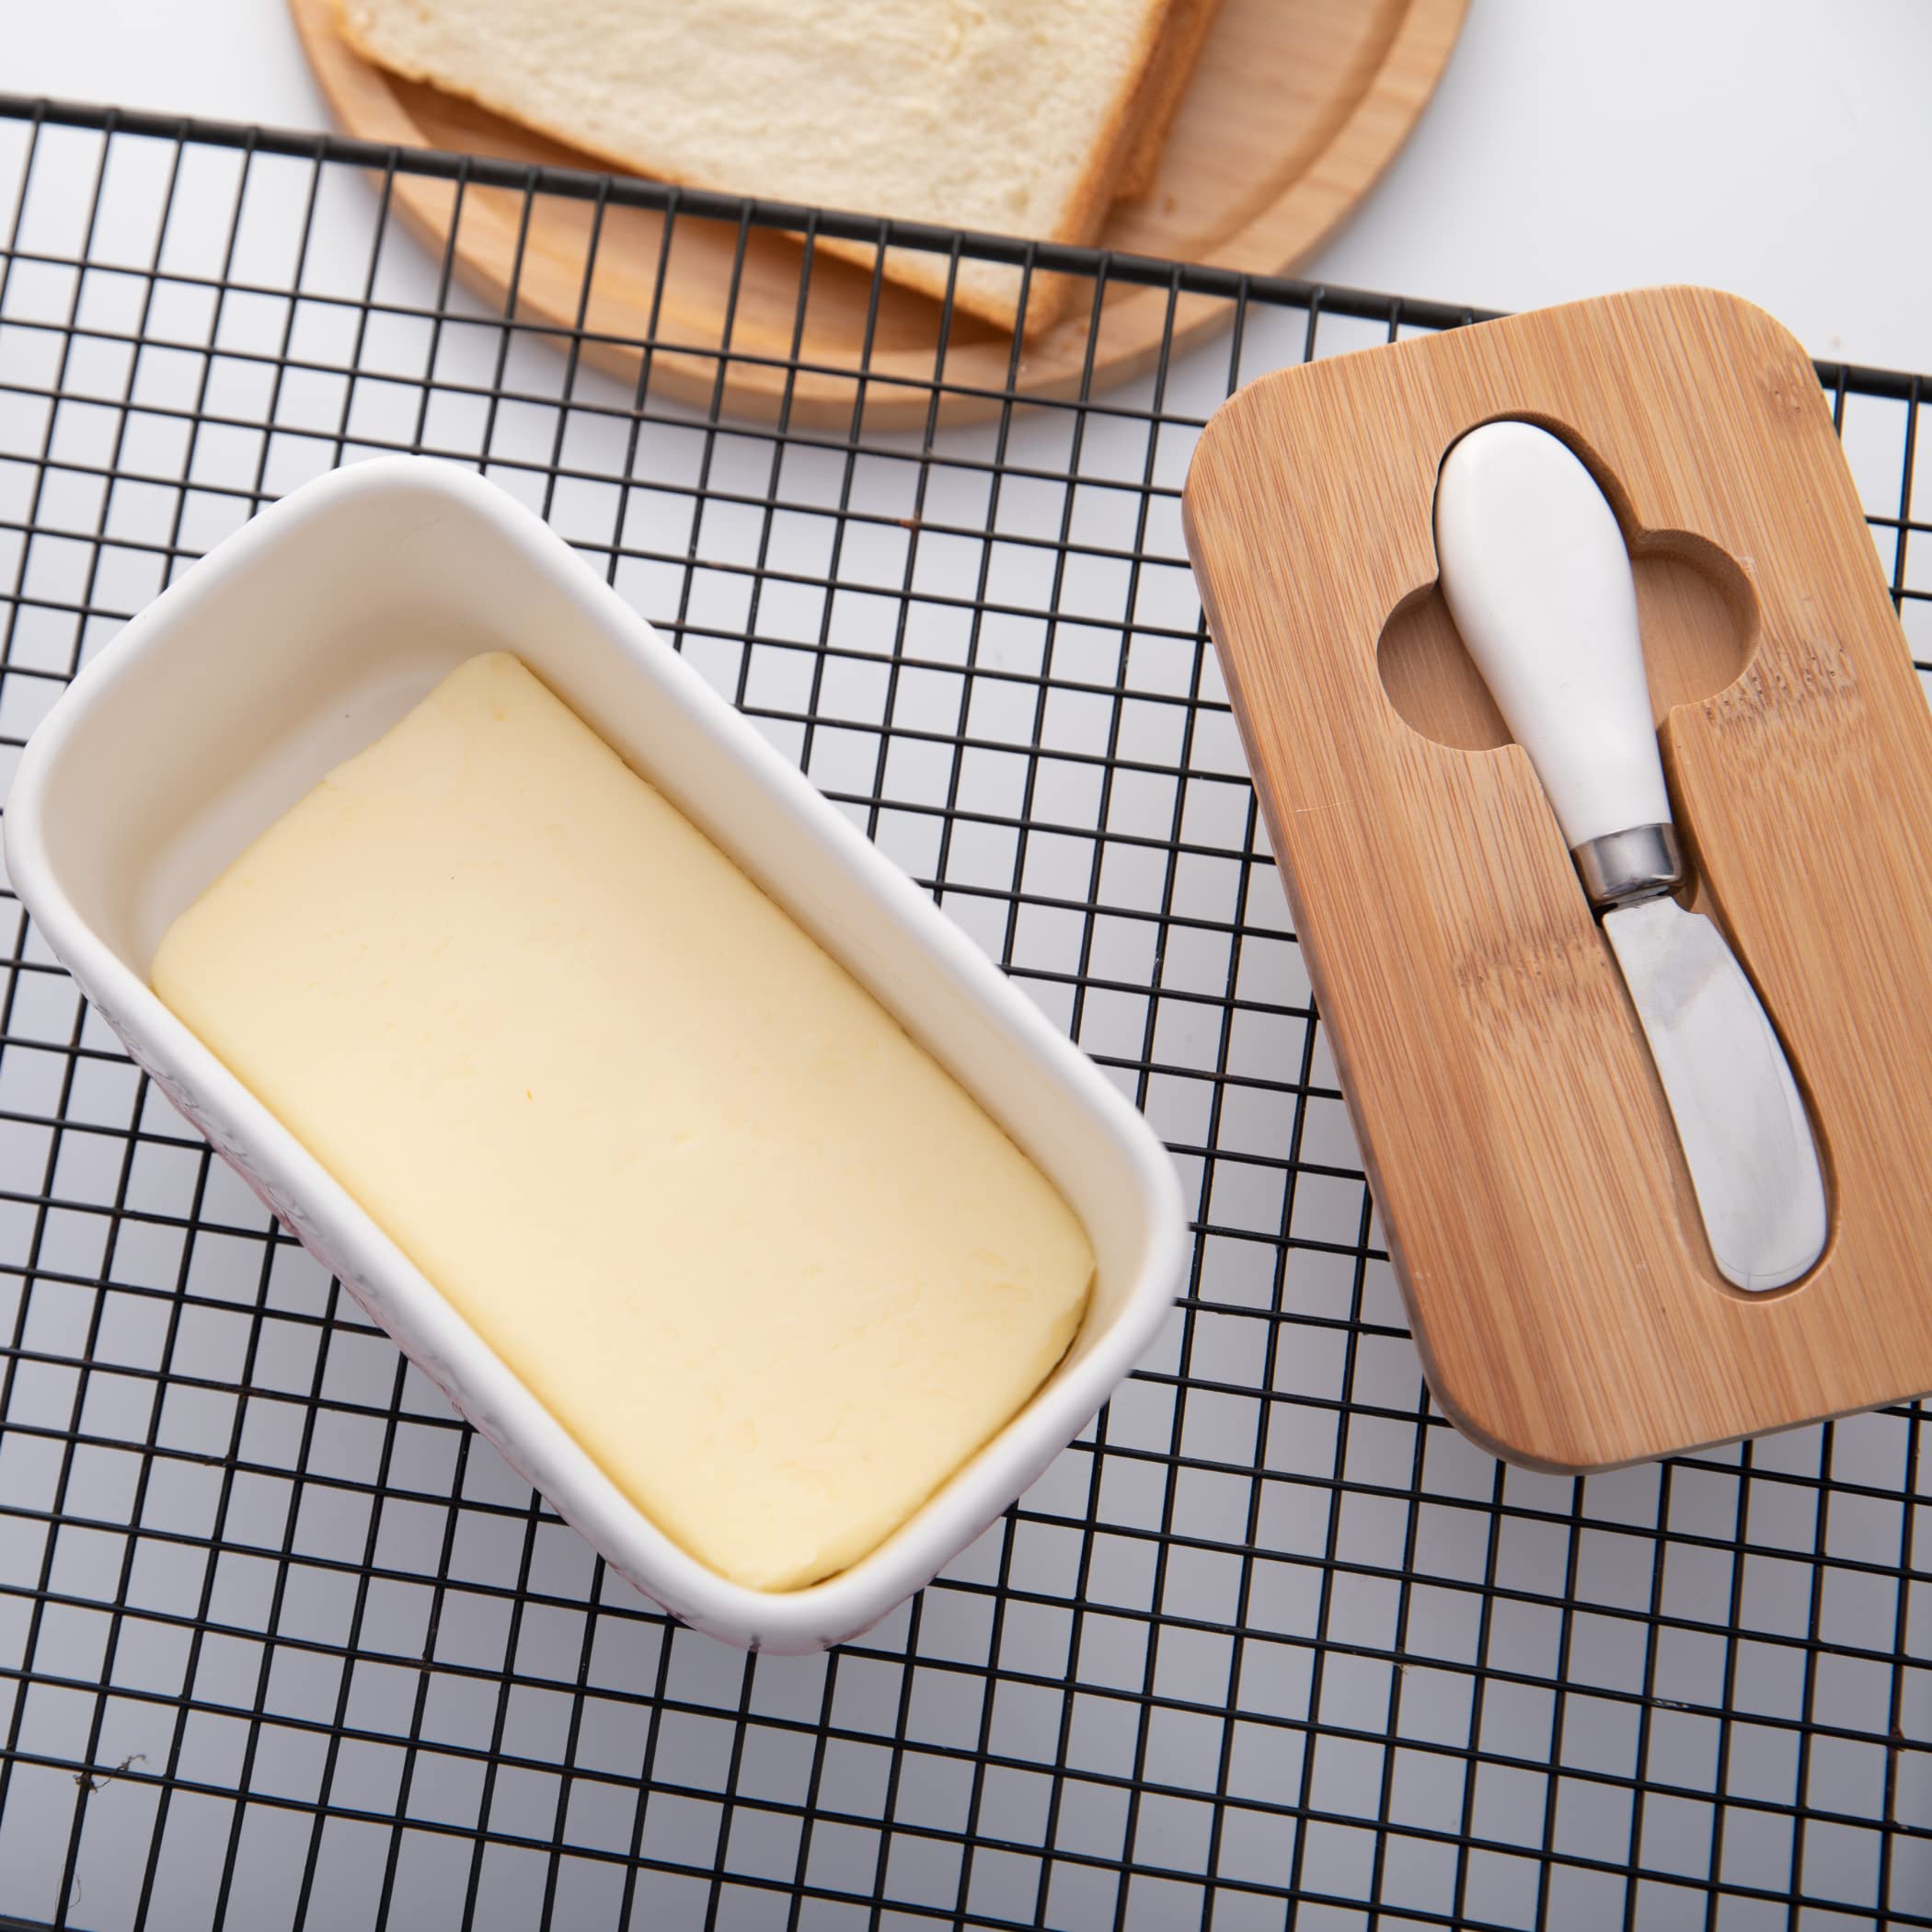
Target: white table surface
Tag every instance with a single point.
(1779, 148)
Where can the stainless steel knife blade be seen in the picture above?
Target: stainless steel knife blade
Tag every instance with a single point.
(1740, 1118)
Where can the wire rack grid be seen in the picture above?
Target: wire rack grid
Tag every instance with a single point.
(283, 1644)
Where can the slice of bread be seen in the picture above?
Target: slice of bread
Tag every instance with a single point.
(1006, 115)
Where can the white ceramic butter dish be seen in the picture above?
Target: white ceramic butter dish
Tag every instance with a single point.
(304, 637)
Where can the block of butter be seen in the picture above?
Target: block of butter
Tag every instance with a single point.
(772, 1266)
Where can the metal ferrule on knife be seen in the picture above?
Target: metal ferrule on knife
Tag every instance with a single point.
(1620, 867)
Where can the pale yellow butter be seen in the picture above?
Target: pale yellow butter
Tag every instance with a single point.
(769, 1263)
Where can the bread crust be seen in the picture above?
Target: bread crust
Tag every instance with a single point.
(1161, 94)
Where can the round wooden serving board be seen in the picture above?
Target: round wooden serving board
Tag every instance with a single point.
(1292, 112)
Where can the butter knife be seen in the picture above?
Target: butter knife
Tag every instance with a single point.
(1538, 579)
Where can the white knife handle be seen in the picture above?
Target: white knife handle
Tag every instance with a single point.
(1538, 579)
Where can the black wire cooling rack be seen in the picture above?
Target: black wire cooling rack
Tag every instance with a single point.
(282, 1643)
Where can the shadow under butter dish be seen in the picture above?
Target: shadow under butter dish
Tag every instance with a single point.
(749, 1242)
